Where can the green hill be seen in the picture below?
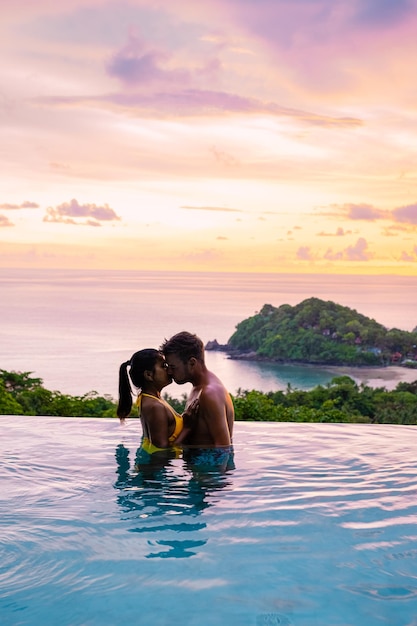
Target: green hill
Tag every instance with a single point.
(320, 332)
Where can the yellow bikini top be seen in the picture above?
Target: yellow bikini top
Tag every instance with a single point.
(178, 418)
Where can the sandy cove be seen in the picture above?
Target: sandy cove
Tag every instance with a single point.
(387, 377)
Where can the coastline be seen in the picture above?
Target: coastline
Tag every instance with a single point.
(387, 377)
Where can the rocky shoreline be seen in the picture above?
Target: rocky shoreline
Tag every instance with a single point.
(387, 376)
(233, 353)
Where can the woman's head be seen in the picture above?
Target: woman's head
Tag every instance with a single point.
(146, 367)
(141, 362)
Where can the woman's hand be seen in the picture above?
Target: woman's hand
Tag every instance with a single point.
(191, 413)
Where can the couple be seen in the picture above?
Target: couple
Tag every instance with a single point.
(209, 415)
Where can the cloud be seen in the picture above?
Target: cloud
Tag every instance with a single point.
(364, 212)
(390, 231)
(4, 221)
(329, 255)
(382, 12)
(202, 256)
(134, 65)
(196, 102)
(223, 157)
(331, 45)
(58, 166)
(357, 252)
(304, 253)
(80, 214)
(211, 208)
(409, 257)
(24, 205)
(368, 213)
(340, 232)
(406, 214)
(220, 238)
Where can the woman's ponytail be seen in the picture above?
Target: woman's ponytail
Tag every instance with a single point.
(125, 392)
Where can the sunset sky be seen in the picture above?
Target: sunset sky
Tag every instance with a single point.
(224, 135)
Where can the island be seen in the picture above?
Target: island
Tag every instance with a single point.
(319, 332)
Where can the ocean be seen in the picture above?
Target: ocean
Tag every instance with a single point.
(73, 328)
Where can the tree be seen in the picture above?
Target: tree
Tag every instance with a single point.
(316, 331)
(8, 404)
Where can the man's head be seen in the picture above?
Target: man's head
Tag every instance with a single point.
(184, 352)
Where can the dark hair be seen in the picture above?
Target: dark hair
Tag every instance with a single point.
(139, 363)
(185, 345)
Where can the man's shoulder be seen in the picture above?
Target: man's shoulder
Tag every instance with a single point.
(213, 391)
(213, 382)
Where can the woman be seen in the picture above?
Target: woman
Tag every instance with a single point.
(162, 426)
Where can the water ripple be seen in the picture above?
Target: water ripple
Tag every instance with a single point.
(311, 517)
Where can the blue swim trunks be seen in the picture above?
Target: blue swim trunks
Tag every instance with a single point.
(210, 458)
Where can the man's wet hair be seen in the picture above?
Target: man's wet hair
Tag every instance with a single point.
(184, 345)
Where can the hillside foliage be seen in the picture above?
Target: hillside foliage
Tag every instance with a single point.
(321, 332)
(342, 400)
(20, 394)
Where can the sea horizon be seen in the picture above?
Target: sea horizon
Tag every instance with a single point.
(73, 328)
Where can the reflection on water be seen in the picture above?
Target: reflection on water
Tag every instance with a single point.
(157, 489)
(316, 526)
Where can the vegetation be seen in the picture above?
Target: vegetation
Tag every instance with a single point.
(342, 400)
(22, 395)
(321, 332)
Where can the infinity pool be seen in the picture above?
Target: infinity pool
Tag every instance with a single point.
(315, 525)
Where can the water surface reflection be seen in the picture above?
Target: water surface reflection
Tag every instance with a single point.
(152, 495)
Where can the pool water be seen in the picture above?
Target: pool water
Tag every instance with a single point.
(316, 524)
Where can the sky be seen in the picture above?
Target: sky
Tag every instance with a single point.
(219, 135)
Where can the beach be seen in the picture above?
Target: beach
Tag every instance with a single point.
(387, 377)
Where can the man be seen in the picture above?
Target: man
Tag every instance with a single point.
(184, 354)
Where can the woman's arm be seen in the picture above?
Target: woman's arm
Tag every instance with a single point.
(189, 416)
(156, 418)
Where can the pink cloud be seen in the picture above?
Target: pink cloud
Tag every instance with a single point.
(72, 212)
(193, 102)
(357, 252)
(409, 257)
(223, 157)
(340, 232)
(134, 65)
(364, 212)
(331, 45)
(379, 13)
(329, 255)
(211, 208)
(407, 214)
(23, 205)
(304, 253)
(4, 221)
(202, 256)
